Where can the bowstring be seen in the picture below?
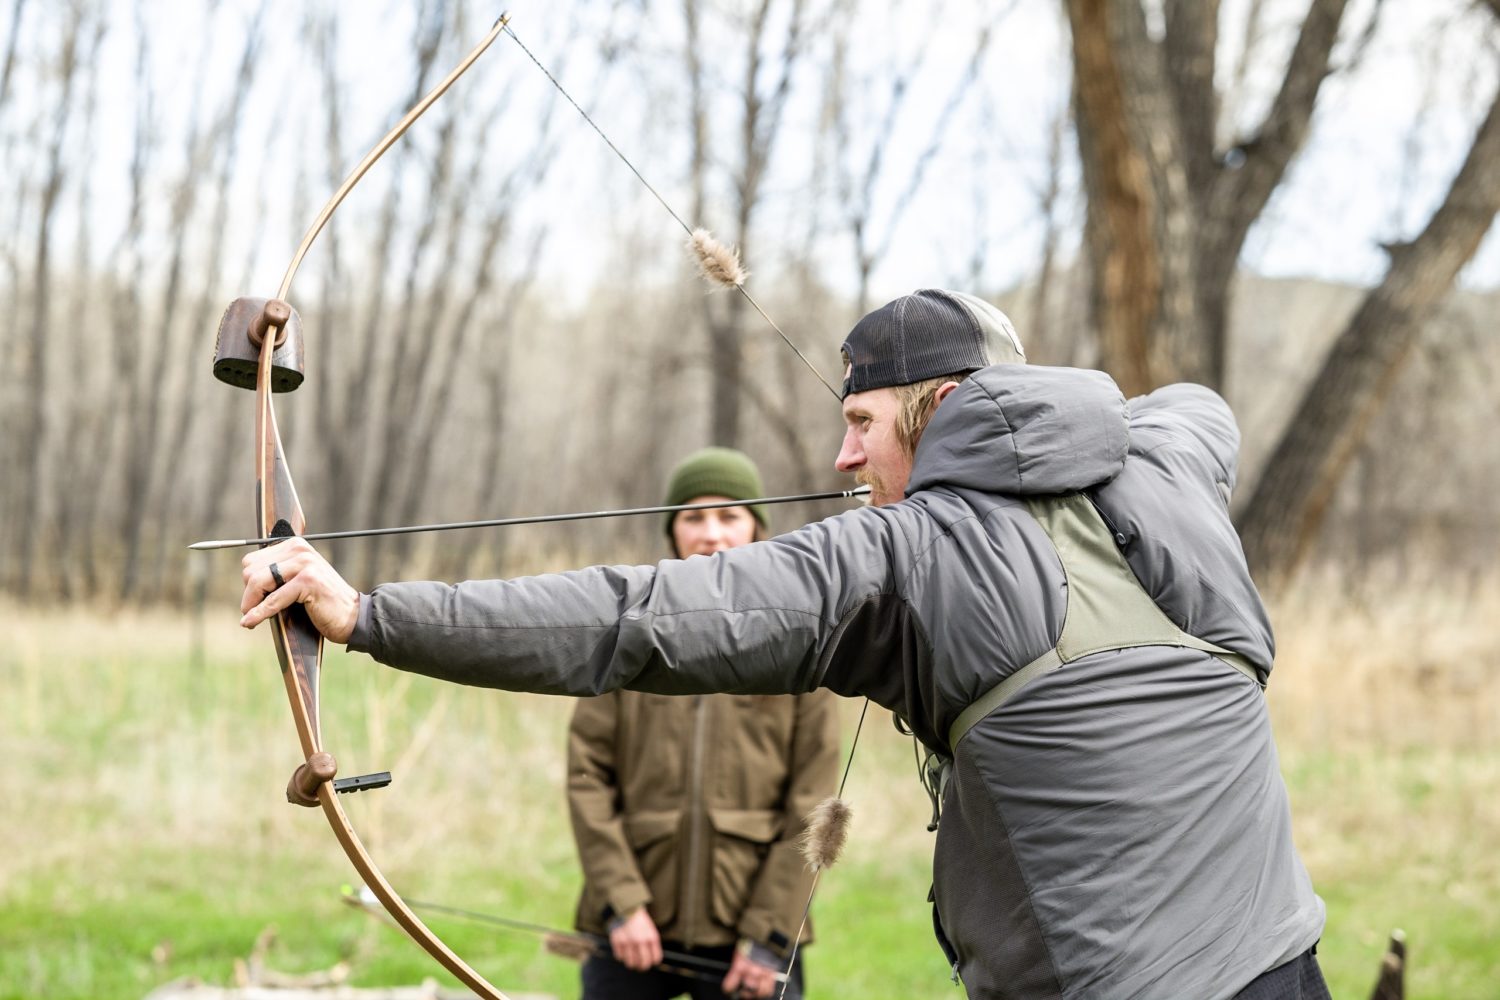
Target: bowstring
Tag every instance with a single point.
(670, 210)
(854, 744)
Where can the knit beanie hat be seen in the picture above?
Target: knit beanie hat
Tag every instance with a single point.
(715, 472)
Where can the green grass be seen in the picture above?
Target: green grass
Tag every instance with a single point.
(145, 837)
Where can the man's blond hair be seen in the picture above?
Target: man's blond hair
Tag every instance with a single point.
(915, 403)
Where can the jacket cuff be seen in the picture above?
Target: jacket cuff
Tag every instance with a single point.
(626, 899)
(755, 926)
(360, 639)
(764, 956)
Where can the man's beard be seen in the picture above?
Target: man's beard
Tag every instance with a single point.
(878, 492)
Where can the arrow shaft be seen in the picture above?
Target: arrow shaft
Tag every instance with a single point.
(690, 965)
(504, 522)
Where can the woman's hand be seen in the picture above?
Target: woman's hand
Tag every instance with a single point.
(636, 942)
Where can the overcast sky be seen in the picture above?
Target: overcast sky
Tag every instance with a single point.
(1386, 140)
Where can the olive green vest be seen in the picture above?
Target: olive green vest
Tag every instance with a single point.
(1107, 606)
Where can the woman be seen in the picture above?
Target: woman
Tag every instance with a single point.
(686, 810)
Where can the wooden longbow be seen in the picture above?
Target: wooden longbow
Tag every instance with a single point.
(260, 347)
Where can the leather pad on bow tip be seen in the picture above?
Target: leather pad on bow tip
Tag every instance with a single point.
(237, 351)
(302, 790)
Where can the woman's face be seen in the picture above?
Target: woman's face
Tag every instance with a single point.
(704, 532)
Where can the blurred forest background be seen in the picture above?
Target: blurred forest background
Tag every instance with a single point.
(1284, 200)
(1289, 200)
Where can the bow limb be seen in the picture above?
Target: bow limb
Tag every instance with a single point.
(299, 647)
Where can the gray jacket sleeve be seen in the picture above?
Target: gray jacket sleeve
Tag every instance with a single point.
(760, 619)
(1197, 412)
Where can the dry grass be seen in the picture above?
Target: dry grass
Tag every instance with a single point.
(123, 741)
(119, 740)
(1389, 666)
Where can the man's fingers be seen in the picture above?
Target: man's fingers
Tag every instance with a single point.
(260, 581)
(274, 603)
(251, 597)
(289, 557)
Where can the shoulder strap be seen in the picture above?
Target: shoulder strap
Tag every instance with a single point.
(1107, 606)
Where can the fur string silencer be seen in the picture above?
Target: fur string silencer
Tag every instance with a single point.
(823, 841)
(717, 263)
(827, 830)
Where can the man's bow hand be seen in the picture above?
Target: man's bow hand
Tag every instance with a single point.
(292, 572)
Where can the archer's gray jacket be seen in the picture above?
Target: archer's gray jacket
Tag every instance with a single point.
(1118, 827)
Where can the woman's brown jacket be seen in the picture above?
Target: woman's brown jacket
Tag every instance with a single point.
(693, 806)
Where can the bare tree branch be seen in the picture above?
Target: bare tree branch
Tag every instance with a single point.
(1190, 45)
(1234, 93)
(11, 43)
(1241, 192)
(1289, 503)
(940, 125)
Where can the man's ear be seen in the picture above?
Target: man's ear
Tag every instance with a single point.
(942, 393)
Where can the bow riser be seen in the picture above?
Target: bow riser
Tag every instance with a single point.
(299, 645)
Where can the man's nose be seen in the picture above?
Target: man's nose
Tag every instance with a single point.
(851, 455)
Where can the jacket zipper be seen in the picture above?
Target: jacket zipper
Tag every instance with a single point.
(696, 817)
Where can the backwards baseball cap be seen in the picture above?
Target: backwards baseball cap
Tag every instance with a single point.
(716, 472)
(929, 333)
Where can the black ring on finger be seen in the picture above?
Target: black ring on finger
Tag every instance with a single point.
(276, 575)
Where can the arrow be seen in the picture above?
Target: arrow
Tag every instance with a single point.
(232, 543)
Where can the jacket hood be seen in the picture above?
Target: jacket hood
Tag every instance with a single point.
(1025, 430)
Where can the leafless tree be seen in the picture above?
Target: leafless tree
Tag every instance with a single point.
(36, 431)
(864, 168)
(12, 41)
(1168, 207)
(1291, 497)
(81, 422)
(1168, 212)
(760, 106)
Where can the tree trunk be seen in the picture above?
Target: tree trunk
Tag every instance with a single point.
(11, 43)
(1167, 214)
(1287, 508)
(35, 433)
(1120, 221)
(760, 121)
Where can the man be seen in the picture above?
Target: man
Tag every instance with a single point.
(1048, 591)
(687, 811)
